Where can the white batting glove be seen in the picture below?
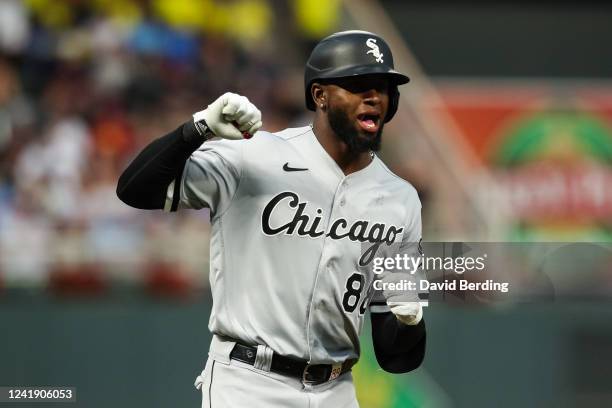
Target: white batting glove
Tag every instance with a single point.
(231, 116)
(409, 313)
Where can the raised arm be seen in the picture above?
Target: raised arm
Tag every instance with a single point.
(145, 182)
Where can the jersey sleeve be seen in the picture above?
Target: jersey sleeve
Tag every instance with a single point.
(209, 179)
(411, 246)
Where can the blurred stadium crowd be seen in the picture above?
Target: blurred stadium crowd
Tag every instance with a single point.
(83, 86)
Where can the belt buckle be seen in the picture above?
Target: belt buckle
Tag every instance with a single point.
(336, 370)
(304, 374)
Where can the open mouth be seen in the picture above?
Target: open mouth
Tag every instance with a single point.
(369, 122)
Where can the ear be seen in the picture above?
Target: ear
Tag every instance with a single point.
(319, 94)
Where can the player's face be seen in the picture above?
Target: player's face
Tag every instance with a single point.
(357, 107)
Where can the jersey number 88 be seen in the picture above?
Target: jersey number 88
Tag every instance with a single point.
(350, 300)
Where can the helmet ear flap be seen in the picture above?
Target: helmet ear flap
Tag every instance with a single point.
(393, 103)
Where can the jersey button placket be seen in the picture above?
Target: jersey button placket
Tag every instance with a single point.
(343, 186)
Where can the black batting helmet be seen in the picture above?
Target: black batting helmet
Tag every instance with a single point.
(350, 53)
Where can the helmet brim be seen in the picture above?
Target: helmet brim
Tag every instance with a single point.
(396, 78)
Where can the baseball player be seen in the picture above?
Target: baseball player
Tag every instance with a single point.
(297, 216)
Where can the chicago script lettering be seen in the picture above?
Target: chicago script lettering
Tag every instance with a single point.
(302, 225)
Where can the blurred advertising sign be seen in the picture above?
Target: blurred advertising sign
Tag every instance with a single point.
(549, 149)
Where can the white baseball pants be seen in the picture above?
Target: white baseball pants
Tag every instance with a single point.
(229, 383)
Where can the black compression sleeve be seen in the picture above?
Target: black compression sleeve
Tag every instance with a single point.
(145, 181)
(399, 348)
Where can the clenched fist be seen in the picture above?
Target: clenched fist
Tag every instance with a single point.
(231, 115)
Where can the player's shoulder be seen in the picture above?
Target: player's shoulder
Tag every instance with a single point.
(261, 144)
(262, 137)
(395, 183)
(285, 134)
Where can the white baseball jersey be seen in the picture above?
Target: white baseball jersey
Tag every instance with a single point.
(289, 230)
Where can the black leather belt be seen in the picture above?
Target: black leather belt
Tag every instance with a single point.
(300, 369)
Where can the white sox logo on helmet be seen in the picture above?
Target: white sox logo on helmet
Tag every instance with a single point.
(374, 50)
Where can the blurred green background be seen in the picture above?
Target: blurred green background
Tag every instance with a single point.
(505, 131)
(133, 351)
